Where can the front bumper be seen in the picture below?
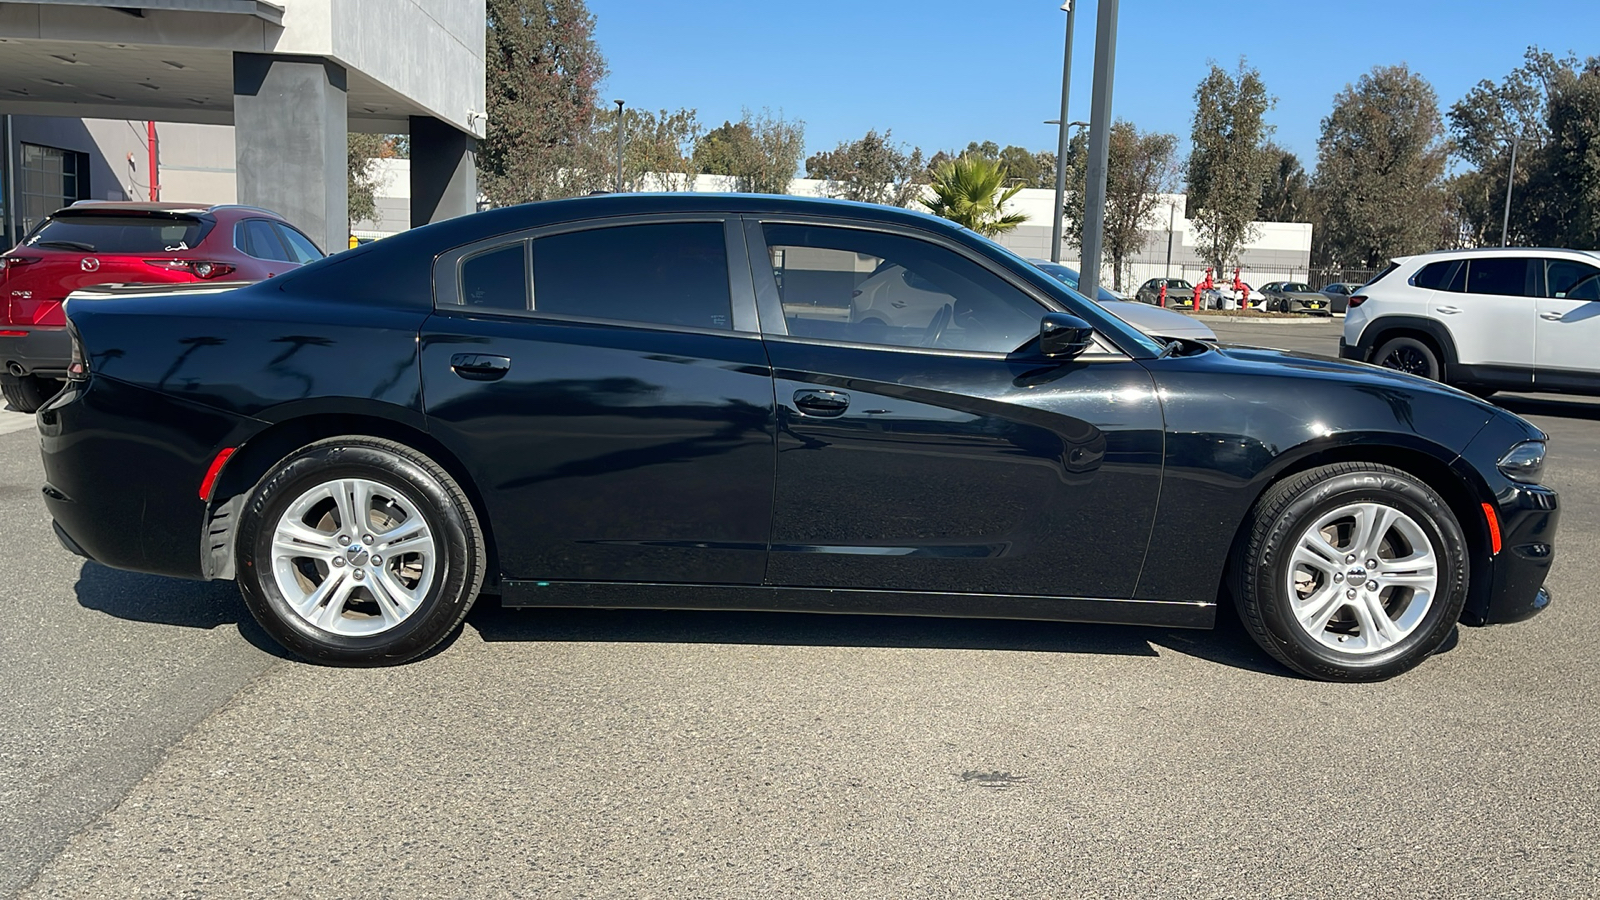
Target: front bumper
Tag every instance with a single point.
(1528, 517)
(40, 350)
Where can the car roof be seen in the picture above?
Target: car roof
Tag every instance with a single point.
(1480, 252)
(144, 206)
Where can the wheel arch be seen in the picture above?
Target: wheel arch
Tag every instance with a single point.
(255, 457)
(1423, 329)
(1433, 466)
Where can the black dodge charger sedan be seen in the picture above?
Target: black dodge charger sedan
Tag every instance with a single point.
(687, 401)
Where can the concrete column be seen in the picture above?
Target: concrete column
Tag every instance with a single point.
(444, 172)
(291, 142)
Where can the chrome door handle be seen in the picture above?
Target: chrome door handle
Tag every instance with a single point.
(1448, 310)
(1552, 316)
(826, 404)
(480, 366)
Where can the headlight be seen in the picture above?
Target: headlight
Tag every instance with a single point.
(1524, 462)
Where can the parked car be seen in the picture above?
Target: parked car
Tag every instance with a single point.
(1484, 320)
(1154, 321)
(1294, 297)
(1338, 295)
(636, 400)
(1179, 292)
(93, 243)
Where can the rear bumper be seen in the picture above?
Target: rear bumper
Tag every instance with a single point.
(123, 467)
(41, 350)
(1351, 351)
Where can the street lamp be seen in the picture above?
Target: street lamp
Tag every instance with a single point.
(1094, 196)
(1511, 178)
(619, 144)
(1061, 134)
(1061, 184)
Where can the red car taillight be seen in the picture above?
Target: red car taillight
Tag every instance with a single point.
(199, 268)
(1357, 300)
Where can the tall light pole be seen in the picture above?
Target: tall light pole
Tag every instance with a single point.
(1172, 217)
(1511, 178)
(619, 144)
(1061, 135)
(1057, 231)
(1094, 212)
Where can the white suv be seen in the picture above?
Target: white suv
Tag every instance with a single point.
(1509, 318)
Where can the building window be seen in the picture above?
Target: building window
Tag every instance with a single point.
(49, 179)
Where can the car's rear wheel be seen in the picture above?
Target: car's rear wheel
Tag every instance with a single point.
(1352, 572)
(1407, 354)
(358, 551)
(29, 392)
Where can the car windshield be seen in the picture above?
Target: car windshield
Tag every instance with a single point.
(117, 233)
(1069, 278)
(1179, 284)
(1295, 287)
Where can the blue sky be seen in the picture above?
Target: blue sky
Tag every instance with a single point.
(940, 73)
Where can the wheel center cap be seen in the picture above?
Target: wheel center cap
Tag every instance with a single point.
(1358, 573)
(358, 554)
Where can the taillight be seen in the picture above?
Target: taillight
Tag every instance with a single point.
(199, 268)
(7, 263)
(78, 363)
(1357, 300)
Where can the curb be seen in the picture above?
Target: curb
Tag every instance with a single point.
(1253, 320)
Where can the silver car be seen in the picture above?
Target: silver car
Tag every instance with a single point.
(1152, 320)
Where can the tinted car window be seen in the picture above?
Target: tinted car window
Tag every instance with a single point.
(256, 238)
(671, 274)
(1434, 276)
(1502, 276)
(117, 234)
(496, 279)
(874, 288)
(299, 245)
(1571, 280)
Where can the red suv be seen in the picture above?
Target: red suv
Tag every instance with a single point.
(93, 243)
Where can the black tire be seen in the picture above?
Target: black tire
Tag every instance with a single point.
(1262, 573)
(444, 508)
(30, 392)
(1406, 354)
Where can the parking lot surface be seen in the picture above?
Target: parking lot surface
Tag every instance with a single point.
(158, 746)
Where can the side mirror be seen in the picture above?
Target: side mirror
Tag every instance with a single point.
(1064, 336)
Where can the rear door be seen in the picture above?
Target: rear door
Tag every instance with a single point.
(1568, 326)
(1488, 306)
(925, 456)
(610, 395)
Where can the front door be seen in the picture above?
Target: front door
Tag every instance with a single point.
(922, 455)
(1568, 327)
(597, 386)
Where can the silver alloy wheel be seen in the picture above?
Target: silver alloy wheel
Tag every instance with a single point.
(353, 557)
(1362, 578)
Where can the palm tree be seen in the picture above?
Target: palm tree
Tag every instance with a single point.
(971, 191)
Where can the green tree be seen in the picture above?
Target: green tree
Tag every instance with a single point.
(971, 191)
(1229, 161)
(362, 154)
(1565, 183)
(761, 151)
(543, 74)
(1286, 195)
(1380, 169)
(1482, 126)
(872, 169)
(657, 148)
(1025, 167)
(1140, 166)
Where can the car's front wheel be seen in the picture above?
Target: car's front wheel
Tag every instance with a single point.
(1352, 572)
(357, 551)
(29, 392)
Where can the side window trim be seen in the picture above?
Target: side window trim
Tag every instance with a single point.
(770, 304)
(447, 271)
(527, 277)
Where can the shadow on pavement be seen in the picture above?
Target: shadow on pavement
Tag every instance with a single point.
(170, 601)
(1575, 408)
(1229, 646)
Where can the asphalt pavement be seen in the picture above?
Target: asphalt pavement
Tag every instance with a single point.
(157, 748)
